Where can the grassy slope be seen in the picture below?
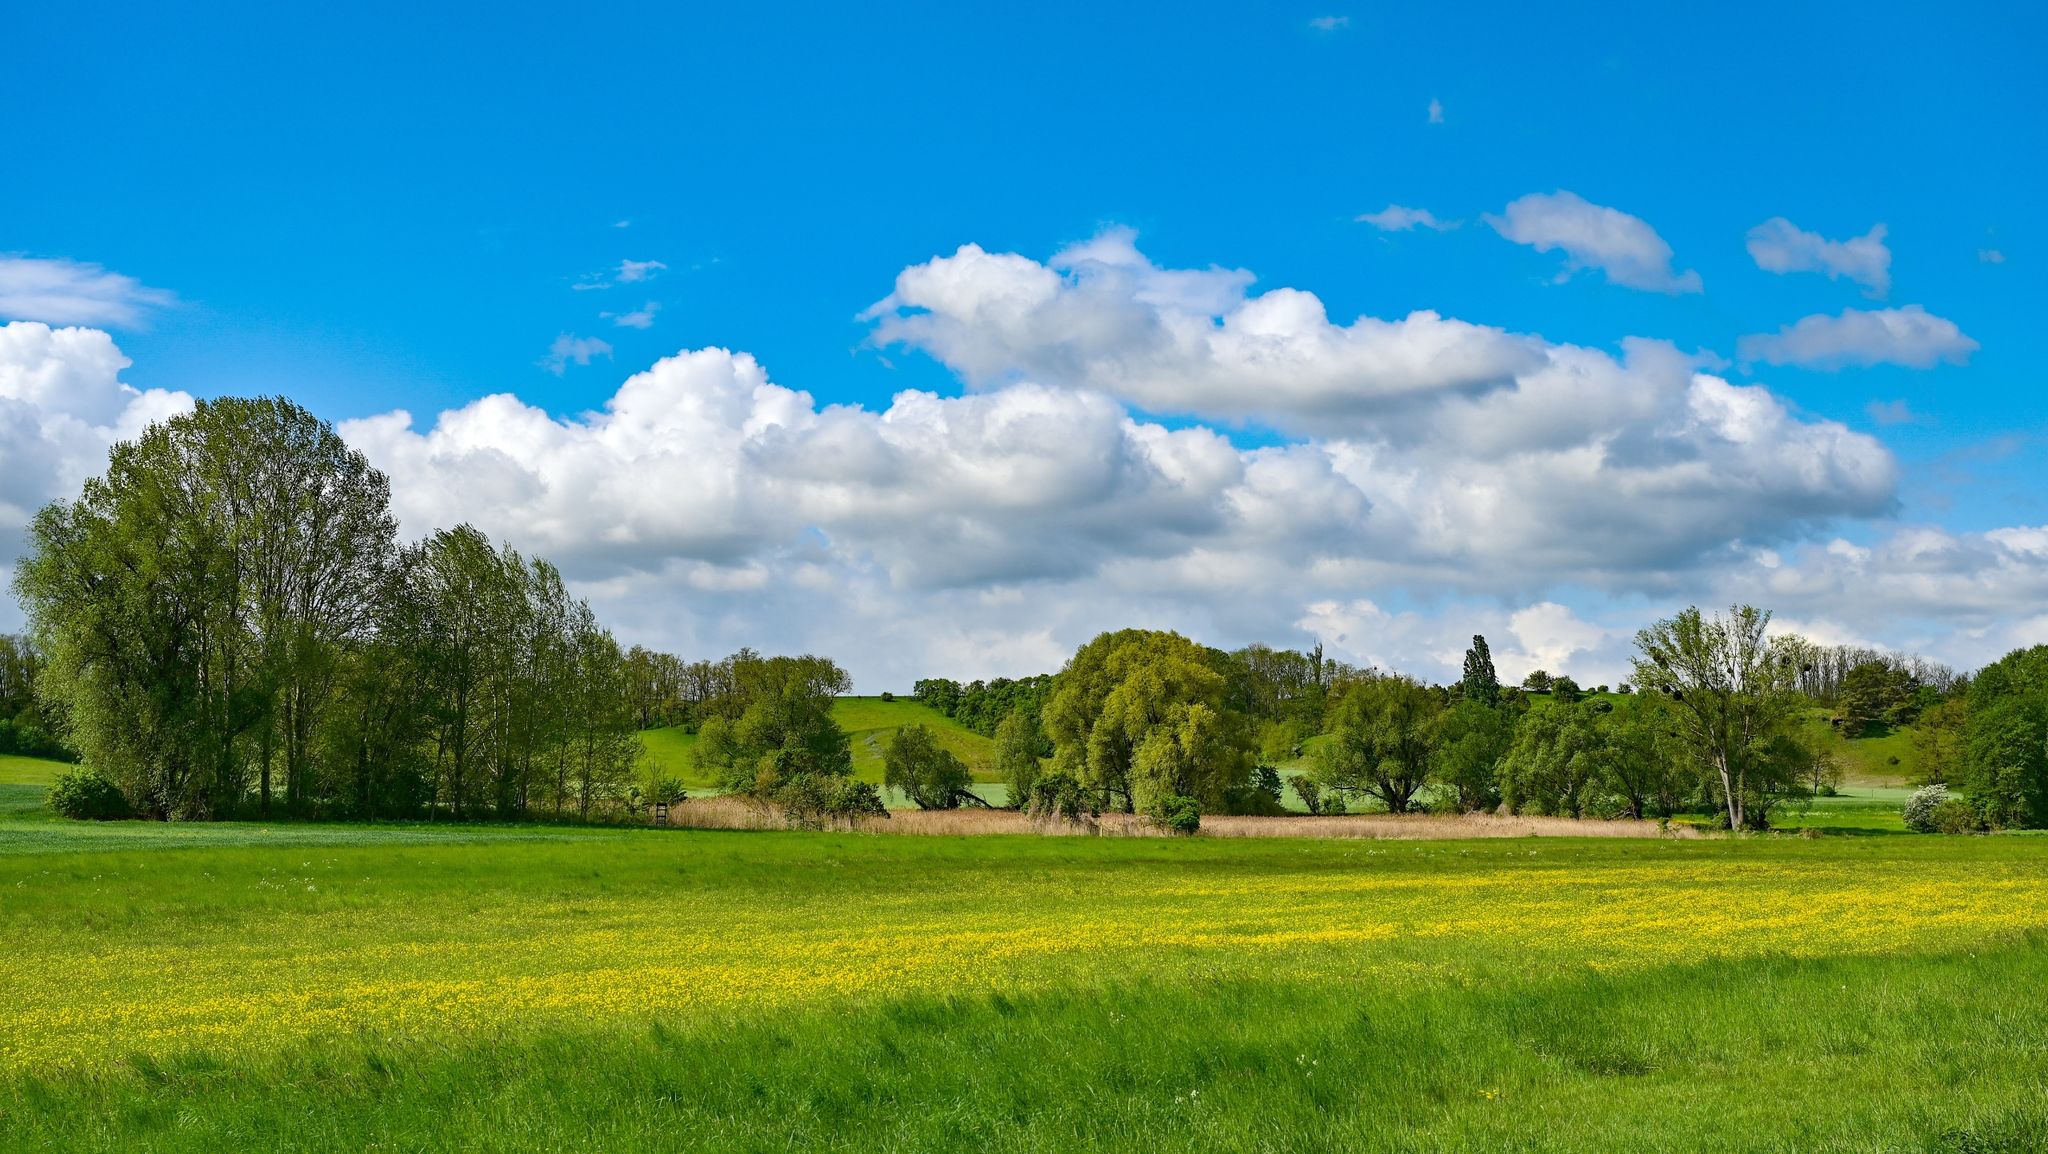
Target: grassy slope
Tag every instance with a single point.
(23, 781)
(327, 987)
(869, 722)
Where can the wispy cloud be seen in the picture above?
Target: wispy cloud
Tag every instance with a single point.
(67, 292)
(1909, 336)
(631, 271)
(622, 224)
(1624, 247)
(1330, 23)
(1990, 256)
(570, 349)
(640, 318)
(1401, 218)
(1777, 245)
(1893, 413)
(1436, 111)
(627, 272)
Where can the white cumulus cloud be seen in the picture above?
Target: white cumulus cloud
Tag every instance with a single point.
(1623, 247)
(1102, 316)
(62, 405)
(1777, 245)
(1909, 336)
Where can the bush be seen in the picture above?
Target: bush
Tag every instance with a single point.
(1954, 815)
(87, 795)
(815, 801)
(1178, 812)
(1319, 802)
(1919, 809)
(1061, 797)
(888, 696)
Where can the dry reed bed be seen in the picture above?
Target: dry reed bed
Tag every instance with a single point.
(734, 813)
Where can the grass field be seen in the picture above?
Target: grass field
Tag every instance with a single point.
(869, 722)
(319, 987)
(23, 781)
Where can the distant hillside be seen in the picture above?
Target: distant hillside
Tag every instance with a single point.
(868, 721)
(1888, 758)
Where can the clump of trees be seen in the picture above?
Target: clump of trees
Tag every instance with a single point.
(769, 735)
(228, 625)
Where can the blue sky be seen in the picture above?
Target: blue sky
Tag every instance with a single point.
(402, 208)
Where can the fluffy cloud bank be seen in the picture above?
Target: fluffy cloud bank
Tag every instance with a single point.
(62, 405)
(1102, 316)
(1441, 478)
(706, 505)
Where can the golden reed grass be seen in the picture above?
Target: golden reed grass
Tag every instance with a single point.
(735, 813)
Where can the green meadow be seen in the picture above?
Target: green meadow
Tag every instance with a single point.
(215, 986)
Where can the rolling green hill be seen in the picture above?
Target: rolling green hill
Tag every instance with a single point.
(869, 722)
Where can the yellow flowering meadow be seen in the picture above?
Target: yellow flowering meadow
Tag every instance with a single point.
(244, 948)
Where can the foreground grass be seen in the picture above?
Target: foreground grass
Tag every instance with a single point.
(1854, 1054)
(238, 986)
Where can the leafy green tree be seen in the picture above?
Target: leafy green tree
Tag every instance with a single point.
(1196, 752)
(1119, 687)
(1875, 694)
(1733, 689)
(1480, 683)
(2005, 740)
(1645, 768)
(1557, 761)
(1565, 691)
(1538, 681)
(929, 774)
(1938, 740)
(1383, 734)
(1472, 742)
(783, 728)
(194, 600)
(1019, 746)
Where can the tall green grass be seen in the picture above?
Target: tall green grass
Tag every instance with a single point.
(1854, 1054)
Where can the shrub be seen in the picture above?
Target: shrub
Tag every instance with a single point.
(888, 696)
(1178, 812)
(1318, 801)
(1954, 815)
(87, 795)
(815, 801)
(1061, 797)
(1919, 809)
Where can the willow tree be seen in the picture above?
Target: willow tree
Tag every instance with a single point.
(1120, 687)
(1383, 735)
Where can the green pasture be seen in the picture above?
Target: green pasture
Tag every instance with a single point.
(308, 987)
(869, 722)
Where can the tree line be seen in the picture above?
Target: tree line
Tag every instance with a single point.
(225, 624)
(1718, 721)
